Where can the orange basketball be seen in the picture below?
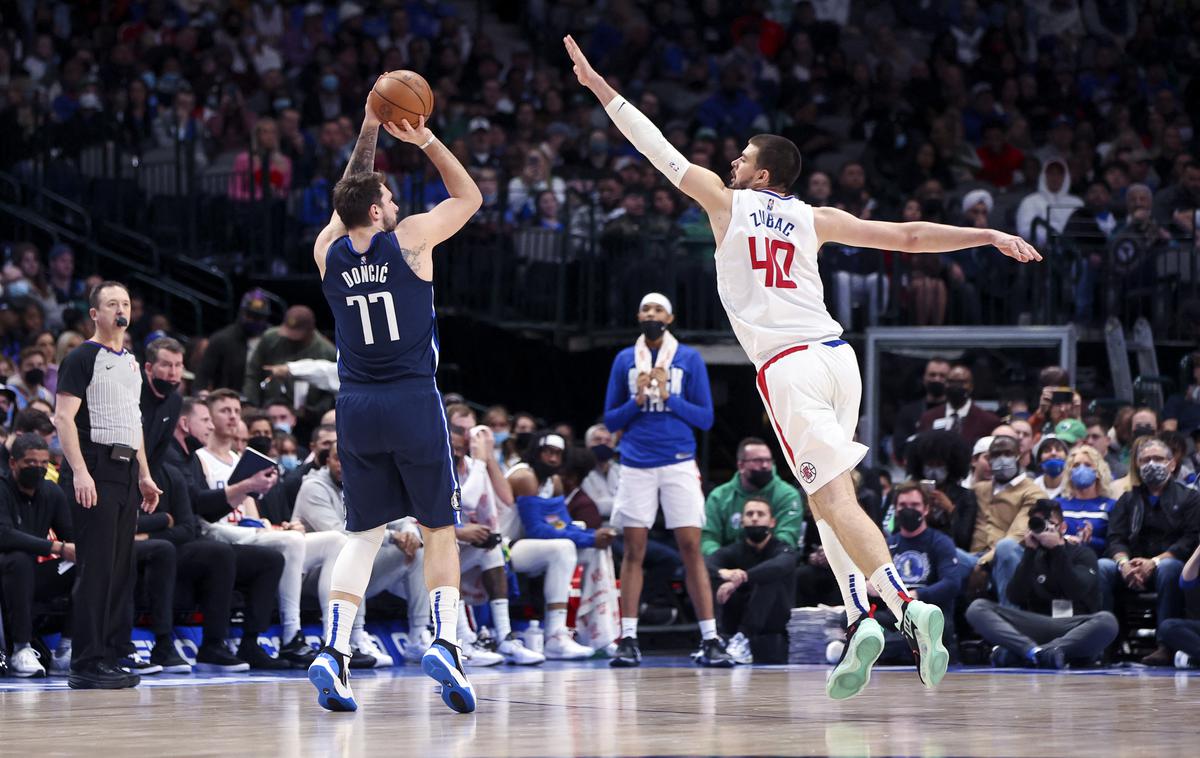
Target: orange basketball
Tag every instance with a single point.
(399, 95)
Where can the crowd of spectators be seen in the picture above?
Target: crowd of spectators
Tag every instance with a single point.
(1065, 119)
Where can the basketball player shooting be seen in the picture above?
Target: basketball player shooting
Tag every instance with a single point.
(377, 276)
(767, 279)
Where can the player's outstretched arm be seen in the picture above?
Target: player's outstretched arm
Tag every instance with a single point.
(362, 159)
(698, 183)
(835, 225)
(450, 215)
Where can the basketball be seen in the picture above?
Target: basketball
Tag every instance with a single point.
(401, 95)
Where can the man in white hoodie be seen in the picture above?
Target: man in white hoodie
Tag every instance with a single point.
(399, 564)
(1053, 202)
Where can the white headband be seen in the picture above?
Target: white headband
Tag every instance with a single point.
(657, 299)
(552, 440)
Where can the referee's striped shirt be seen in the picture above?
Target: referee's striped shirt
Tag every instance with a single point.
(109, 385)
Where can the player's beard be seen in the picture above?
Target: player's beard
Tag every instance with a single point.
(389, 224)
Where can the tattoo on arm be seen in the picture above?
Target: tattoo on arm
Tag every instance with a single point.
(413, 257)
(363, 157)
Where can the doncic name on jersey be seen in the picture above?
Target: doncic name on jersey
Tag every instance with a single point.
(367, 273)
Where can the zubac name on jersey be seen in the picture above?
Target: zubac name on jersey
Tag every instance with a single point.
(761, 218)
(369, 273)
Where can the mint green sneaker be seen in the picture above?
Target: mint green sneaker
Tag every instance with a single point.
(864, 644)
(922, 626)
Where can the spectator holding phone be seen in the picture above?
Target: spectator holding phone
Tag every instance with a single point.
(1055, 615)
(1053, 402)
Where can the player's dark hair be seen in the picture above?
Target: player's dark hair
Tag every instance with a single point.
(169, 344)
(354, 195)
(94, 295)
(26, 442)
(780, 157)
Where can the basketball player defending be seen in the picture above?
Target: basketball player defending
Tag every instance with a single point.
(377, 275)
(766, 261)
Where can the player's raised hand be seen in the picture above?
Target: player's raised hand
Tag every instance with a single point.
(406, 133)
(1016, 248)
(583, 69)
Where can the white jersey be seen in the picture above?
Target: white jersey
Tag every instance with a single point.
(767, 275)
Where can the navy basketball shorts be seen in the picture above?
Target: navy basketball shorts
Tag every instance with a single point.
(394, 447)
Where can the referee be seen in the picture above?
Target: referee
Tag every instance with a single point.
(99, 426)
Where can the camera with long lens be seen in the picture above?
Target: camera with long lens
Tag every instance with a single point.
(1037, 524)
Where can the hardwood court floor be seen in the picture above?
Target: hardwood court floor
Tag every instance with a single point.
(664, 708)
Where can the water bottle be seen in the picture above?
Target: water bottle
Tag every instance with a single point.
(535, 640)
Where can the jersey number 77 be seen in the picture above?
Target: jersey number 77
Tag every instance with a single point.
(772, 248)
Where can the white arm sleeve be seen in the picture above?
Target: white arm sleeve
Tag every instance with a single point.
(648, 139)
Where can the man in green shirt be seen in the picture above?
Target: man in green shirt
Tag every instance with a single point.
(296, 338)
(756, 478)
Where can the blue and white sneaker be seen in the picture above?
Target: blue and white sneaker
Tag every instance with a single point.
(330, 674)
(442, 663)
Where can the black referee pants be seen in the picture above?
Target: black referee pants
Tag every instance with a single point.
(104, 553)
(22, 581)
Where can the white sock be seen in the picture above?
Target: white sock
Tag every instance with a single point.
(556, 621)
(851, 581)
(500, 618)
(463, 633)
(341, 621)
(708, 629)
(891, 588)
(443, 605)
(629, 627)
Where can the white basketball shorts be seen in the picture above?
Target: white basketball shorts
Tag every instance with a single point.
(676, 487)
(812, 394)
(470, 557)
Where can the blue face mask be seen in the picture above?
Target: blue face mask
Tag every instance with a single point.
(501, 437)
(284, 427)
(329, 83)
(1053, 467)
(289, 462)
(1083, 477)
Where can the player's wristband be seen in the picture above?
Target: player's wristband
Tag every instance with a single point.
(427, 142)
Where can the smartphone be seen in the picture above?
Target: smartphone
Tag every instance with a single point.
(1062, 395)
(928, 485)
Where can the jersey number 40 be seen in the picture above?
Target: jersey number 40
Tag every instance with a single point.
(769, 262)
(363, 303)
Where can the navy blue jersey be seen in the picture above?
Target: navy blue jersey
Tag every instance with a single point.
(385, 325)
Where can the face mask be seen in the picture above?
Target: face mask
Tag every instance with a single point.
(284, 427)
(1143, 430)
(163, 387)
(1082, 477)
(652, 330)
(1155, 474)
(30, 477)
(759, 478)
(523, 439)
(254, 327)
(935, 389)
(289, 462)
(956, 395)
(543, 470)
(89, 101)
(281, 103)
(756, 534)
(909, 519)
(1004, 468)
(329, 83)
(603, 453)
(501, 437)
(936, 473)
(1055, 466)
(34, 377)
(599, 147)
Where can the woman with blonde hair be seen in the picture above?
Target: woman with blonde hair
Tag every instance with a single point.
(1086, 502)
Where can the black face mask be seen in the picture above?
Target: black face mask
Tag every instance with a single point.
(34, 377)
(935, 389)
(30, 477)
(957, 396)
(162, 387)
(1141, 430)
(193, 443)
(652, 330)
(759, 478)
(254, 327)
(603, 453)
(909, 519)
(756, 534)
(523, 439)
(543, 470)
